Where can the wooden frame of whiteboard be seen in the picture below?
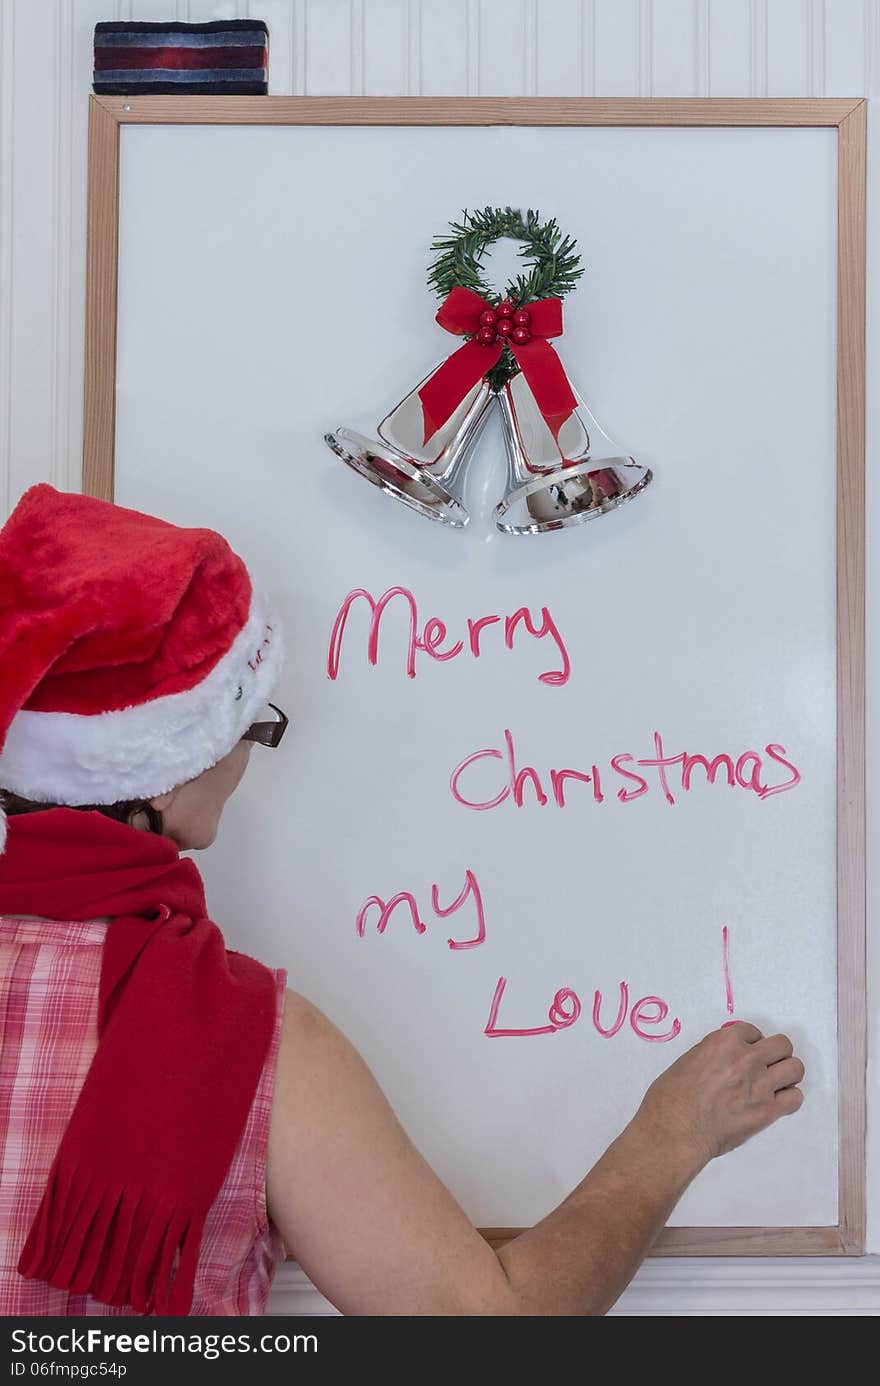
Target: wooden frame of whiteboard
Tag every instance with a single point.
(848, 117)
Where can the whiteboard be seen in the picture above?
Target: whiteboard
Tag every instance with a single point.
(272, 286)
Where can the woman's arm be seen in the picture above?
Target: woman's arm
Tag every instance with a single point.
(378, 1232)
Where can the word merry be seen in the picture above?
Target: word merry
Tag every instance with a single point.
(406, 899)
(565, 1009)
(434, 633)
(746, 772)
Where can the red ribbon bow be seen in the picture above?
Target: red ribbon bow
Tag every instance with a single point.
(460, 313)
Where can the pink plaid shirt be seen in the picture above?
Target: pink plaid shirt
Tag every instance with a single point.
(48, 1008)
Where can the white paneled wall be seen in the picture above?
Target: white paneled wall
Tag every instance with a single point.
(388, 47)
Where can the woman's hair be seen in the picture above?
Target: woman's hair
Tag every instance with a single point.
(122, 812)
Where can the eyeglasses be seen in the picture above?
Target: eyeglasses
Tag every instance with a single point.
(269, 729)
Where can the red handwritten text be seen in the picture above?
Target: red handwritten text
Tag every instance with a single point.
(385, 908)
(434, 633)
(728, 985)
(565, 1009)
(523, 784)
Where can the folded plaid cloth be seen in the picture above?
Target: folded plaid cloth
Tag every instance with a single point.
(224, 57)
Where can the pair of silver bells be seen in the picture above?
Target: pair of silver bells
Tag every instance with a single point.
(549, 486)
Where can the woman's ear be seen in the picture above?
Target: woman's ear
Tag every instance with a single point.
(164, 801)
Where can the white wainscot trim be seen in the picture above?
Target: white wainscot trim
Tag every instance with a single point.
(685, 1287)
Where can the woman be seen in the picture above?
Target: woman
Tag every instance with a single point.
(171, 1117)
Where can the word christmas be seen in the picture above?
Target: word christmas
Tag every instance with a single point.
(674, 774)
(432, 635)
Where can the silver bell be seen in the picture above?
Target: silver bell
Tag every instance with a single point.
(428, 477)
(551, 486)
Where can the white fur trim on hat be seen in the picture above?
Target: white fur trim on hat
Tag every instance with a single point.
(139, 752)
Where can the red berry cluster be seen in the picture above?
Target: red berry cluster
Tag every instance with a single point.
(497, 324)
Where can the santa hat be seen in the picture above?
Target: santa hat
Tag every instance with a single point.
(133, 654)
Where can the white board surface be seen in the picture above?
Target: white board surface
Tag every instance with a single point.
(271, 287)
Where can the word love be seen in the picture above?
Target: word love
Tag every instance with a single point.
(565, 1009)
(405, 900)
(669, 773)
(430, 639)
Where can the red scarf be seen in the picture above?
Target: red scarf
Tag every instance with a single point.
(183, 1030)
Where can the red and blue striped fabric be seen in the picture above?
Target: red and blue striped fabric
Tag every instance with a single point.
(223, 57)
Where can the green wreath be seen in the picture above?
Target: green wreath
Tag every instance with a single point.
(553, 265)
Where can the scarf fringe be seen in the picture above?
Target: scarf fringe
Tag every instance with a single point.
(121, 1245)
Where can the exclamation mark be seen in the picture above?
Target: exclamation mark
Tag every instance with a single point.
(728, 988)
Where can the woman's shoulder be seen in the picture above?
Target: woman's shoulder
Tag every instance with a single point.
(314, 1055)
(305, 1024)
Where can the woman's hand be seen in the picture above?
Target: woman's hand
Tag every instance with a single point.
(725, 1089)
